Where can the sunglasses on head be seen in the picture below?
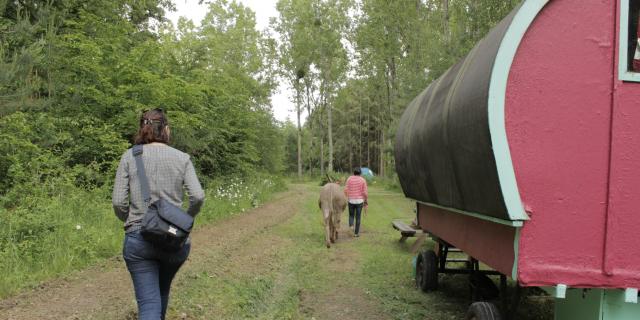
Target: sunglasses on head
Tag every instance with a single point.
(150, 121)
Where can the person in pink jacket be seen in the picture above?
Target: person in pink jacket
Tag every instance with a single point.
(356, 191)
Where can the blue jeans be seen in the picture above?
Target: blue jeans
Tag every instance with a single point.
(355, 211)
(152, 271)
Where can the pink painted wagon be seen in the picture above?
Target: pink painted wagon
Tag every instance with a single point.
(526, 156)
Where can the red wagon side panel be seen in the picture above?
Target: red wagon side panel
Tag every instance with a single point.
(486, 241)
(622, 251)
(558, 120)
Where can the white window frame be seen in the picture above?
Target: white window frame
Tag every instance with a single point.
(623, 73)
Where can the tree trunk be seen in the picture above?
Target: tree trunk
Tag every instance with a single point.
(322, 156)
(391, 95)
(445, 25)
(299, 147)
(382, 144)
(368, 137)
(311, 139)
(310, 152)
(350, 157)
(307, 86)
(298, 111)
(475, 24)
(350, 148)
(330, 137)
(324, 92)
(360, 133)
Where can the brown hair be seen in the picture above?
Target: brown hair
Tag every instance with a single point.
(153, 127)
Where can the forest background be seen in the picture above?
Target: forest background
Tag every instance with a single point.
(75, 75)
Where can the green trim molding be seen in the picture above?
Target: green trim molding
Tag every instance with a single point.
(496, 108)
(511, 223)
(516, 249)
(497, 96)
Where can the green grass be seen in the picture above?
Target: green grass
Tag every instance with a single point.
(281, 272)
(48, 236)
(300, 274)
(55, 235)
(269, 291)
(386, 271)
(382, 270)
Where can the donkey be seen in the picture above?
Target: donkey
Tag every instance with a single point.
(332, 202)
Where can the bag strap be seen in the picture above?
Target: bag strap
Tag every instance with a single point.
(142, 176)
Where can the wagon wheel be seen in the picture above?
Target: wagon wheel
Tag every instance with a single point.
(427, 271)
(483, 311)
(482, 287)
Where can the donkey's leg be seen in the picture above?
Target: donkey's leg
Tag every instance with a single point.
(327, 231)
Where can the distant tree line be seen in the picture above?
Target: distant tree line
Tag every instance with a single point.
(355, 64)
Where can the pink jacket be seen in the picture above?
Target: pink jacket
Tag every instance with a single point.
(356, 188)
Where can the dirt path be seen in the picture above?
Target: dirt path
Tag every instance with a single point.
(241, 247)
(105, 291)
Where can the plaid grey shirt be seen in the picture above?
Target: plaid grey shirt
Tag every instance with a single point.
(168, 171)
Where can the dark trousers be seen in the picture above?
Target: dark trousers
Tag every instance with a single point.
(152, 271)
(355, 211)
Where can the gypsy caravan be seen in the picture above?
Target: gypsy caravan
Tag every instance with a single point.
(526, 156)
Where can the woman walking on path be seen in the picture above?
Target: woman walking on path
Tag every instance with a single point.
(168, 171)
(356, 191)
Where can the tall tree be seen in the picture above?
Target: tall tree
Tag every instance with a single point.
(295, 51)
(330, 59)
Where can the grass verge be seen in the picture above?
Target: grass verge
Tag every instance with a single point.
(51, 235)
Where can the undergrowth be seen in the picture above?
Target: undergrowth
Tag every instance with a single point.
(55, 230)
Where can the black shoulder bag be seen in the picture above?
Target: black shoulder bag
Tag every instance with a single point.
(163, 224)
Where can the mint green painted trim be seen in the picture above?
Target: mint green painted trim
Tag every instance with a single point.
(516, 251)
(595, 304)
(622, 41)
(629, 76)
(623, 73)
(631, 295)
(497, 96)
(510, 223)
(615, 307)
(561, 291)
